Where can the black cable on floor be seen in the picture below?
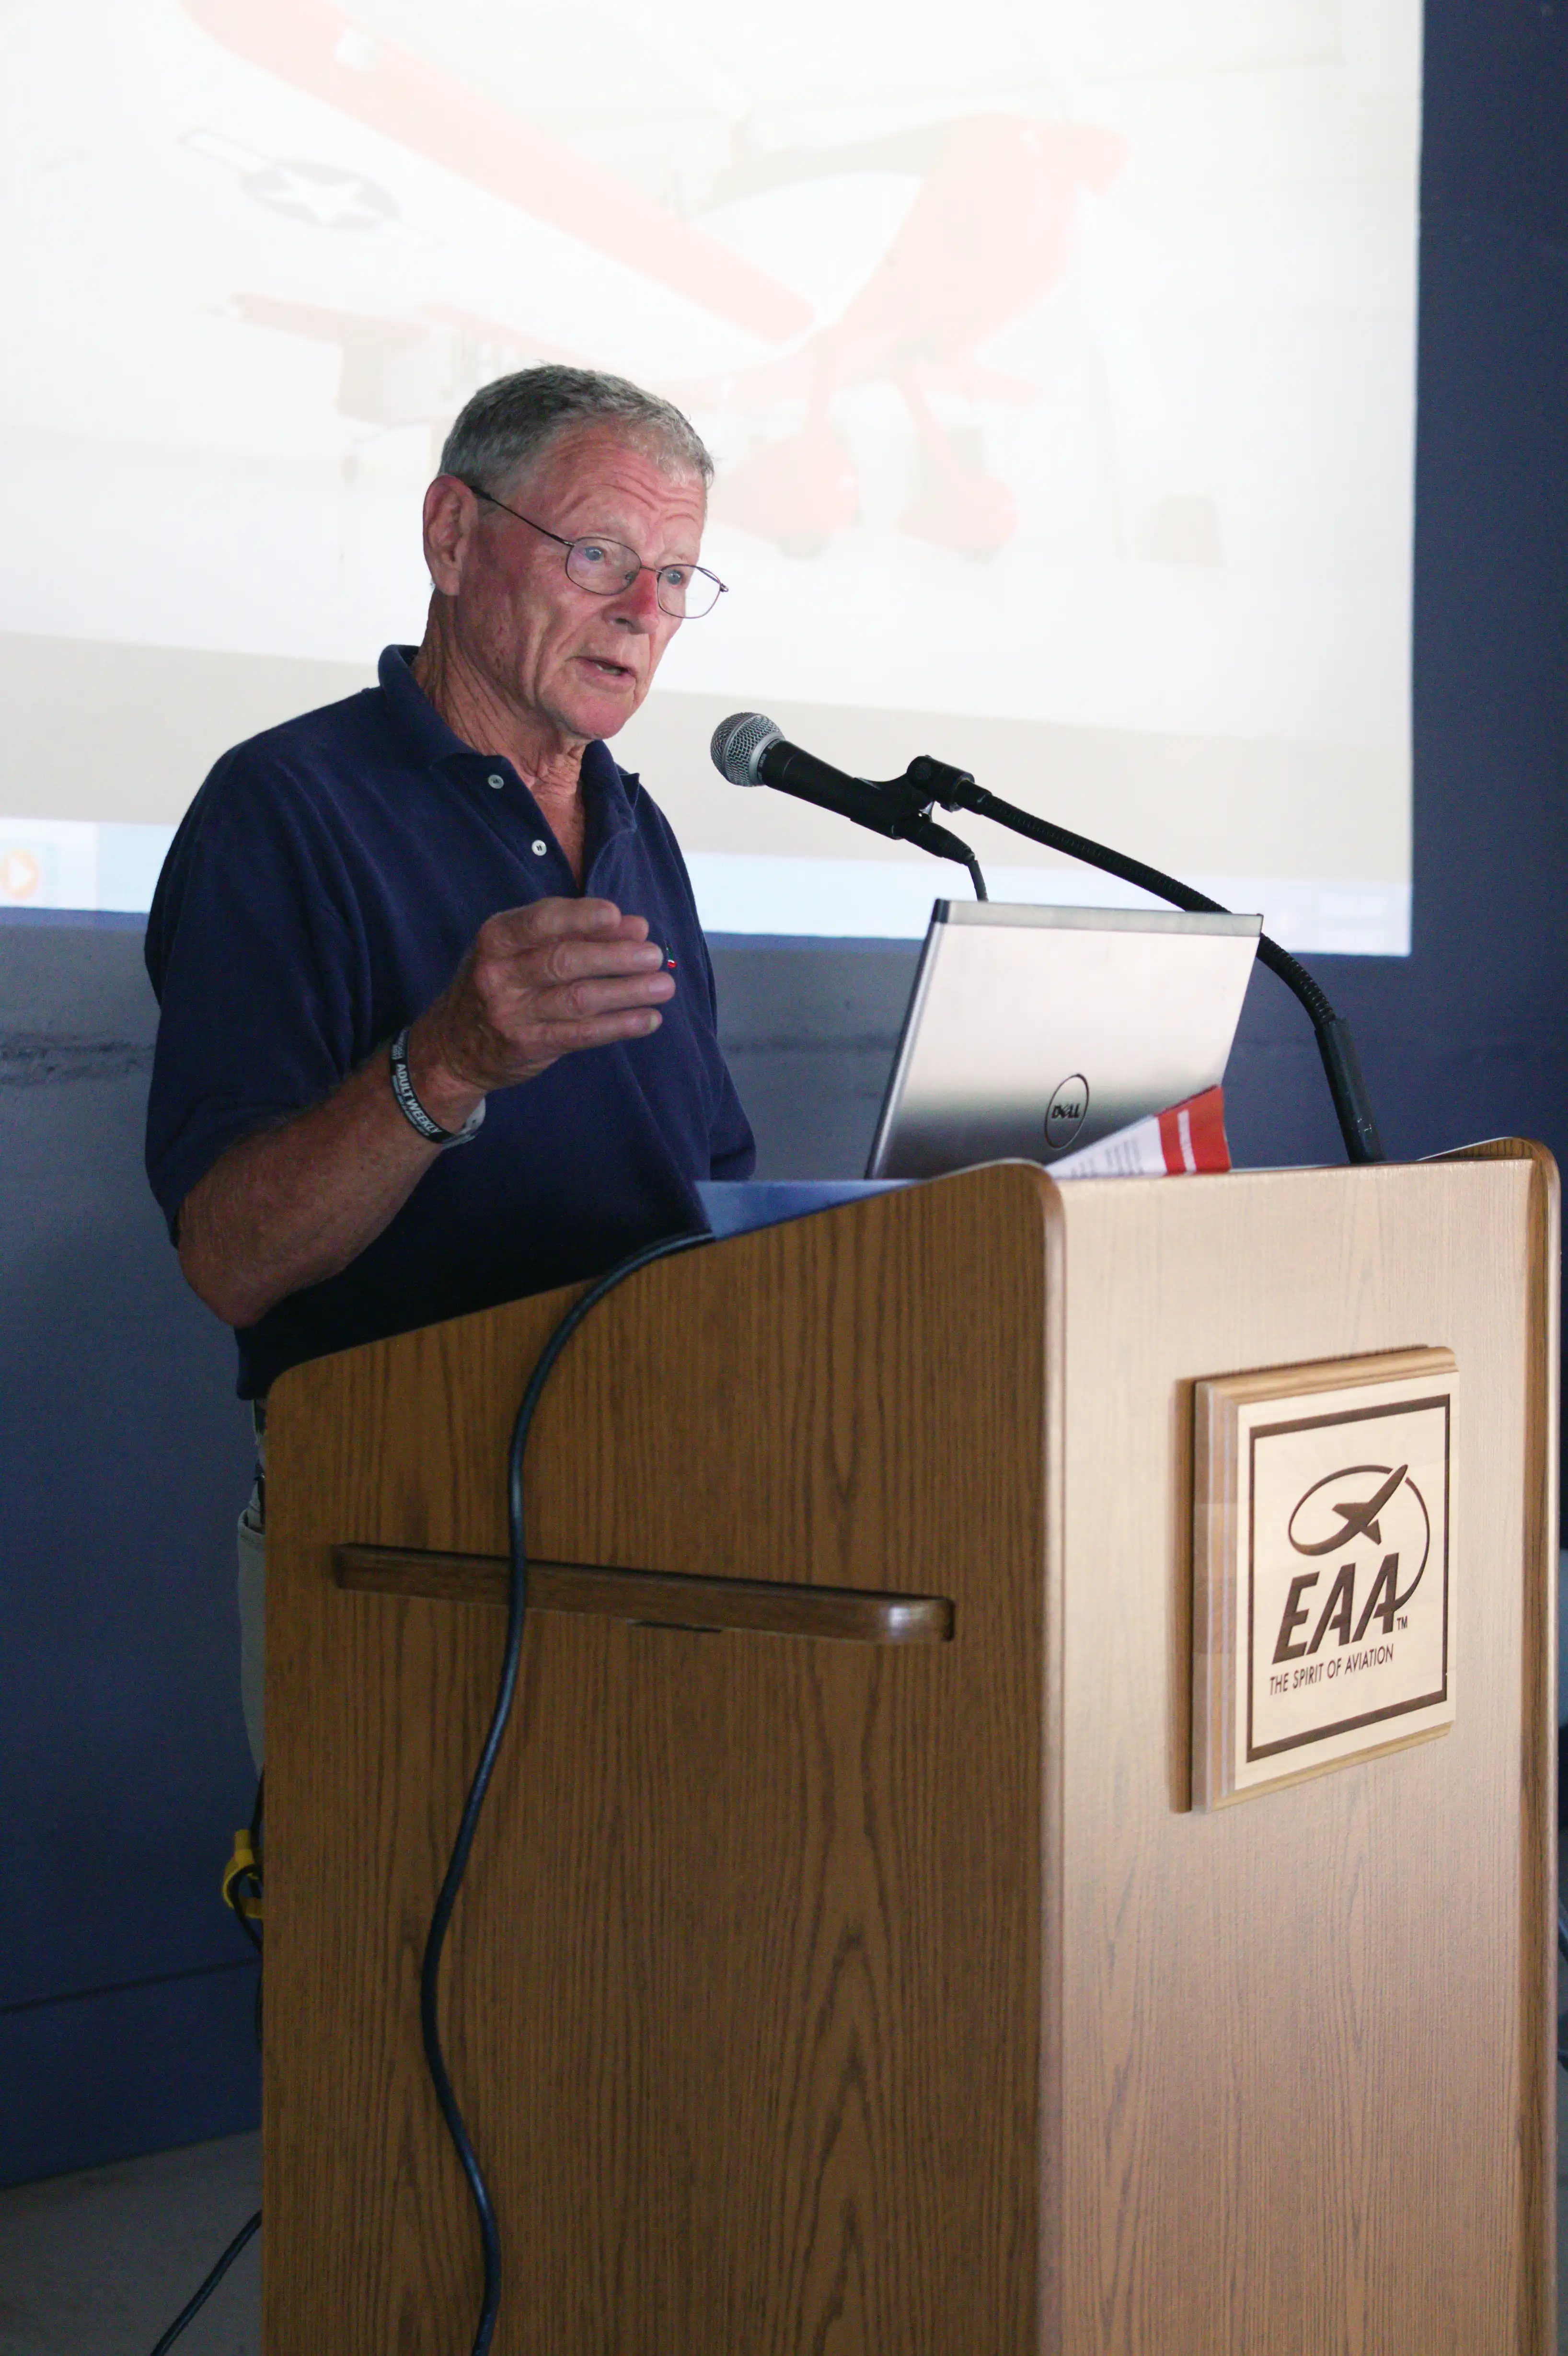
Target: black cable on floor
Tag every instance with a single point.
(252, 1883)
(516, 1607)
(187, 2313)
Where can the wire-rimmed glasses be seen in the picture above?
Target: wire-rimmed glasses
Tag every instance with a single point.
(605, 567)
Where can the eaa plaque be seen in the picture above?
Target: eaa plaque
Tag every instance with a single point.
(1323, 1567)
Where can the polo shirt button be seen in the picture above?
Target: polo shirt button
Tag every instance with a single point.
(540, 849)
(495, 779)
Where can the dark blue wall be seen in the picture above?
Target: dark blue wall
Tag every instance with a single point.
(124, 1987)
(125, 1990)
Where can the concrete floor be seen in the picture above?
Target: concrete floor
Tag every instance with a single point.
(100, 2265)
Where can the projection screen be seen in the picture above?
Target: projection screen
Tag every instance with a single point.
(1058, 359)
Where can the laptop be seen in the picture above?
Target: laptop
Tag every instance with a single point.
(1031, 1031)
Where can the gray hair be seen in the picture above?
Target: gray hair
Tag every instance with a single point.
(507, 426)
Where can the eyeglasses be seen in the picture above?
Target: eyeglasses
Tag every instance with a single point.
(605, 567)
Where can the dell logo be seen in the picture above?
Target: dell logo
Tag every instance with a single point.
(1065, 1115)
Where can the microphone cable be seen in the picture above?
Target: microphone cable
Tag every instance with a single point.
(506, 1691)
(193, 2307)
(241, 1882)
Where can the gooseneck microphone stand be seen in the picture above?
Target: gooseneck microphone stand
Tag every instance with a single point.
(927, 781)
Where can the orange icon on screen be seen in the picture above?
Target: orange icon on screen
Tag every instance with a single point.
(20, 875)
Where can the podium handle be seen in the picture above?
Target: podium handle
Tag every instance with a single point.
(653, 1599)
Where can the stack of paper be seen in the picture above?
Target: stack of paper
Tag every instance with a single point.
(1177, 1143)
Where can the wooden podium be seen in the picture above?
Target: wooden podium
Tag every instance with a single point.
(841, 1965)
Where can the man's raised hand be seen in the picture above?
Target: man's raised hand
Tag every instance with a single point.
(539, 982)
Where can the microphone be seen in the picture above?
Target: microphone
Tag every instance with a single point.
(749, 749)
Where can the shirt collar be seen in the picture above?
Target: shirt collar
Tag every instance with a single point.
(610, 791)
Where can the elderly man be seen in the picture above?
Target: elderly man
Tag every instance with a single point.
(438, 1020)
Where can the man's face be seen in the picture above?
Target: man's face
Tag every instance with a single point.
(575, 664)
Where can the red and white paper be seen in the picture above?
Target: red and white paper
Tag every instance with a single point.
(1177, 1143)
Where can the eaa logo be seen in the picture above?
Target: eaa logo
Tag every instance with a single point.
(1323, 1572)
(1369, 1522)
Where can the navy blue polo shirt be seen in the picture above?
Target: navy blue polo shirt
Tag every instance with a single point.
(324, 886)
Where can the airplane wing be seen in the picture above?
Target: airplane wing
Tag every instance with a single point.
(312, 44)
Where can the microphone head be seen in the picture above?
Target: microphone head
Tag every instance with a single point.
(739, 744)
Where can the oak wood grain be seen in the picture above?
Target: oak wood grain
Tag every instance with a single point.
(1300, 2085)
(812, 1995)
(651, 1599)
(1538, 1894)
(743, 1993)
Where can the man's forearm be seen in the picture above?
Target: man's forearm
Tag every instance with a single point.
(293, 1204)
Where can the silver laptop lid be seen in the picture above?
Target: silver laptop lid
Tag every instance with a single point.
(1031, 1031)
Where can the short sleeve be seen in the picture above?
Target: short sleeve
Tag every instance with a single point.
(255, 959)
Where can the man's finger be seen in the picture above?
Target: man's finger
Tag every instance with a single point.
(530, 1013)
(521, 980)
(600, 993)
(515, 929)
(572, 960)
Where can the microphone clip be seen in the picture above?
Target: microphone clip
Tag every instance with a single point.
(938, 781)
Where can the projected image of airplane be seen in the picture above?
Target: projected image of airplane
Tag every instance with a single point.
(399, 370)
(322, 195)
(984, 236)
(316, 48)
